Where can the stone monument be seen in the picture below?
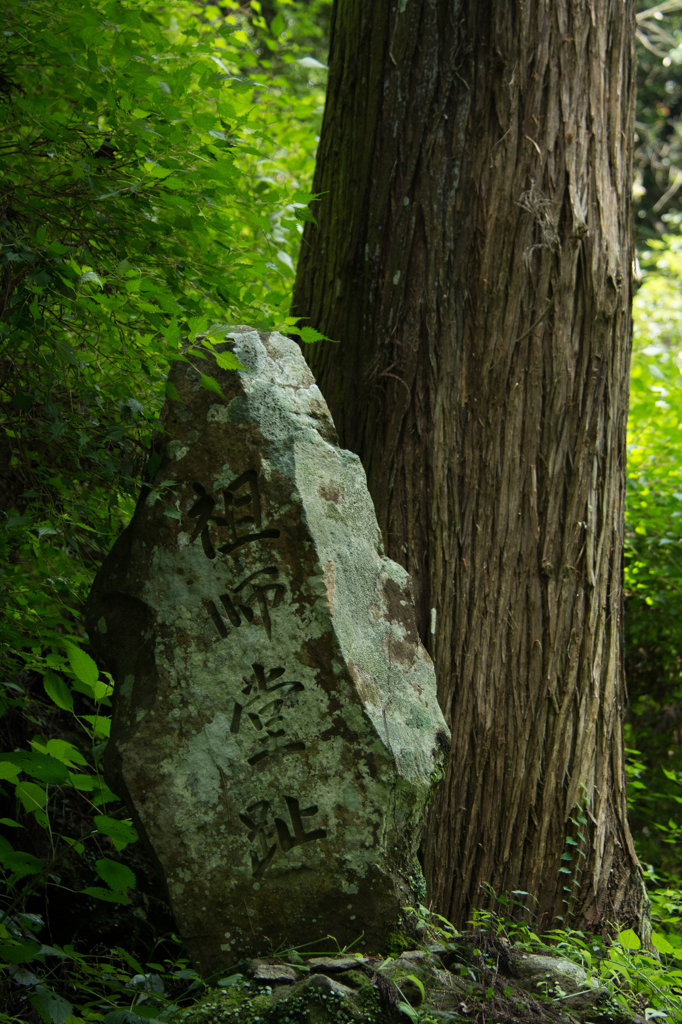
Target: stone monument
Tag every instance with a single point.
(276, 732)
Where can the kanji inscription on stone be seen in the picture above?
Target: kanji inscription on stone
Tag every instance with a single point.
(264, 828)
(276, 731)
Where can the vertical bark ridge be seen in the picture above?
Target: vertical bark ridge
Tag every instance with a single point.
(472, 255)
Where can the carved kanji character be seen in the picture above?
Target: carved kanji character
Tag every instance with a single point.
(263, 712)
(268, 595)
(252, 504)
(256, 819)
(300, 836)
(203, 512)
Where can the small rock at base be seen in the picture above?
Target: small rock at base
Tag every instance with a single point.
(279, 973)
(326, 985)
(335, 963)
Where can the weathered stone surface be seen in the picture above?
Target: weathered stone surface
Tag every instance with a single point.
(276, 730)
(557, 977)
(324, 984)
(272, 973)
(335, 963)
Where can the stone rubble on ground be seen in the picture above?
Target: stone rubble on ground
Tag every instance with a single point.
(346, 989)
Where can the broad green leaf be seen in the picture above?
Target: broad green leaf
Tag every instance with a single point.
(309, 335)
(65, 752)
(278, 24)
(83, 783)
(122, 833)
(629, 940)
(66, 351)
(52, 1008)
(40, 766)
(211, 384)
(105, 894)
(84, 668)
(101, 725)
(32, 796)
(58, 691)
(17, 862)
(9, 772)
(228, 361)
(661, 943)
(122, 1017)
(90, 275)
(117, 876)
(19, 951)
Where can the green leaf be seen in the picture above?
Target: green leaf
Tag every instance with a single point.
(660, 943)
(309, 335)
(90, 275)
(117, 876)
(17, 862)
(277, 25)
(51, 1007)
(84, 668)
(58, 691)
(228, 361)
(19, 951)
(629, 940)
(101, 725)
(82, 782)
(121, 833)
(418, 983)
(122, 1017)
(65, 752)
(40, 766)
(211, 384)
(9, 772)
(408, 1010)
(304, 214)
(105, 894)
(65, 350)
(32, 796)
(55, 951)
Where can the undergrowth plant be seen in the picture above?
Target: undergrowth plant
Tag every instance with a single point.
(633, 980)
(154, 175)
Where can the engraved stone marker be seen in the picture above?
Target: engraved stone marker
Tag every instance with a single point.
(276, 729)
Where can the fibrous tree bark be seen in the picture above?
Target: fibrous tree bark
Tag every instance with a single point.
(472, 255)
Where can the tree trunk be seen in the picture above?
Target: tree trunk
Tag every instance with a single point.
(472, 254)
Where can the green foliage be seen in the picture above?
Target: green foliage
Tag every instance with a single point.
(634, 980)
(112, 987)
(658, 152)
(153, 186)
(653, 570)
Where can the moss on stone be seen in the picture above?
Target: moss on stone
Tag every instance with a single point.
(396, 943)
(240, 1005)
